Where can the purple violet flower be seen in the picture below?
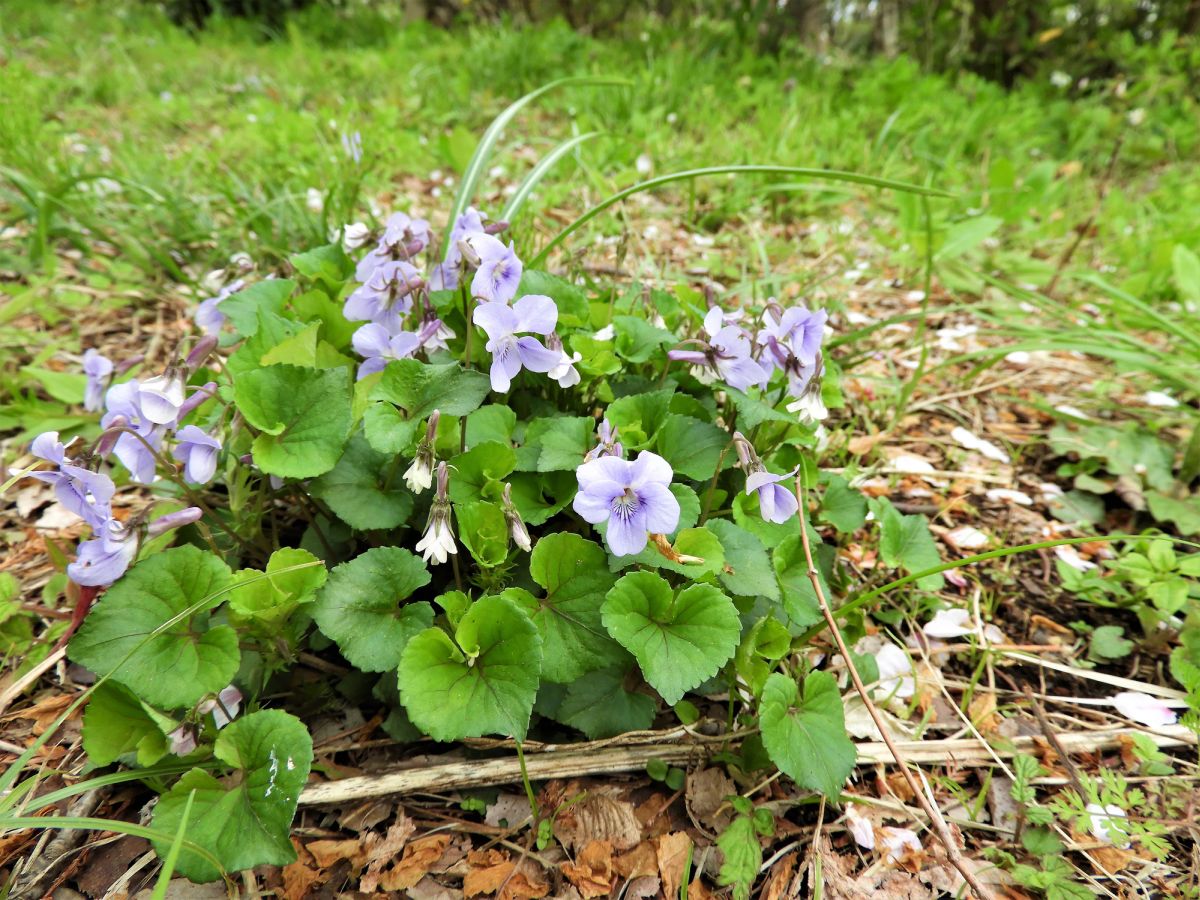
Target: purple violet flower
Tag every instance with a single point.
(386, 298)
(608, 445)
(532, 313)
(634, 497)
(445, 275)
(98, 369)
(565, 372)
(797, 330)
(85, 493)
(105, 558)
(198, 453)
(403, 238)
(775, 503)
(161, 397)
(376, 345)
(224, 707)
(209, 317)
(123, 402)
(727, 352)
(352, 146)
(498, 272)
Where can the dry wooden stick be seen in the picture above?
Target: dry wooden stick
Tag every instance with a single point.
(940, 828)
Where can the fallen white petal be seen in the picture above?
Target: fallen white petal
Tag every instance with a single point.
(949, 623)
(895, 672)
(899, 841)
(1102, 828)
(1071, 557)
(972, 442)
(1010, 496)
(966, 537)
(1143, 708)
(860, 827)
(1159, 398)
(912, 464)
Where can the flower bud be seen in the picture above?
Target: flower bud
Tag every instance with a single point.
(200, 352)
(166, 523)
(516, 527)
(202, 393)
(495, 227)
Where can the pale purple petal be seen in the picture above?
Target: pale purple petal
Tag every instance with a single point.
(660, 507)
(370, 367)
(496, 319)
(506, 363)
(1143, 708)
(161, 396)
(649, 468)
(742, 374)
(536, 357)
(371, 340)
(98, 368)
(536, 313)
(604, 469)
(47, 446)
(595, 503)
(627, 533)
(776, 504)
(713, 321)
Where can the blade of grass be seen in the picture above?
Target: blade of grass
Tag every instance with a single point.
(538, 172)
(87, 823)
(483, 150)
(796, 171)
(172, 858)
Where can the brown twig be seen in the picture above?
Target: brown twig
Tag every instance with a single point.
(940, 828)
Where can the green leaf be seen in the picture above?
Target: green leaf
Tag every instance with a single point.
(1109, 642)
(537, 497)
(599, 705)
(362, 607)
(561, 442)
(695, 542)
(694, 448)
(387, 431)
(742, 856)
(679, 640)
(1041, 842)
(115, 723)
(66, 387)
(905, 543)
(243, 308)
(747, 571)
(188, 659)
(328, 264)
(273, 329)
(483, 531)
(791, 568)
(806, 737)
(421, 388)
(638, 417)
(306, 349)
(484, 681)
(271, 600)
(304, 415)
(842, 506)
(366, 488)
(1184, 513)
(477, 473)
(752, 410)
(965, 236)
(336, 329)
(573, 573)
(245, 823)
(491, 423)
(637, 341)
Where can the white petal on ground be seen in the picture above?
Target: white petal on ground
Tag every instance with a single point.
(997, 495)
(950, 623)
(1102, 824)
(895, 672)
(1159, 398)
(1071, 557)
(1145, 709)
(899, 842)
(913, 465)
(860, 827)
(973, 442)
(966, 537)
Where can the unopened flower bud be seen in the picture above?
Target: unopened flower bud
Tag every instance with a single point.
(470, 257)
(166, 523)
(110, 436)
(495, 227)
(202, 393)
(200, 352)
(516, 527)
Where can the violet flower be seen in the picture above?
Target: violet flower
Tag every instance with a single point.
(352, 146)
(105, 558)
(377, 346)
(608, 444)
(634, 497)
(123, 402)
(805, 385)
(161, 397)
(198, 453)
(516, 525)
(434, 334)
(498, 270)
(403, 238)
(775, 503)
(224, 706)
(419, 476)
(438, 542)
(209, 317)
(98, 369)
(565, 372)
(727, 352)
(85, 493)
(183, 739)
(445, 275)
(797, 331)
(532, 313)
(386, 297)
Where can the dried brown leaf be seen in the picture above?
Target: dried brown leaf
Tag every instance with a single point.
(300, 876)
(707, 790)
(492, 871)
(779, 879)
(327, 852)
(593, 872)
(672, 850)
(419, 857)
(640, 861)
(599, 817)
(379, 853)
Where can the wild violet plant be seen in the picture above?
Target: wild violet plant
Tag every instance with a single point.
(505, 500)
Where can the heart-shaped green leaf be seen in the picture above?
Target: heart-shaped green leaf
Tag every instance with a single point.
(362, 607)
(573, 573)
(303, 414)
(270, 600)
(807, 737)
(483, 681)
(365, 489)
(694, 448)
(188, 659)
(421, 388)
(244, 823)
(747, 570)
(679, 640)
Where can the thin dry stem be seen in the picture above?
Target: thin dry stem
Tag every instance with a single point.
(940, 828)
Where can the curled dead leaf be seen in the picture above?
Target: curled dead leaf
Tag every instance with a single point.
(672, 852)
(592, 872)
(599, 817)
